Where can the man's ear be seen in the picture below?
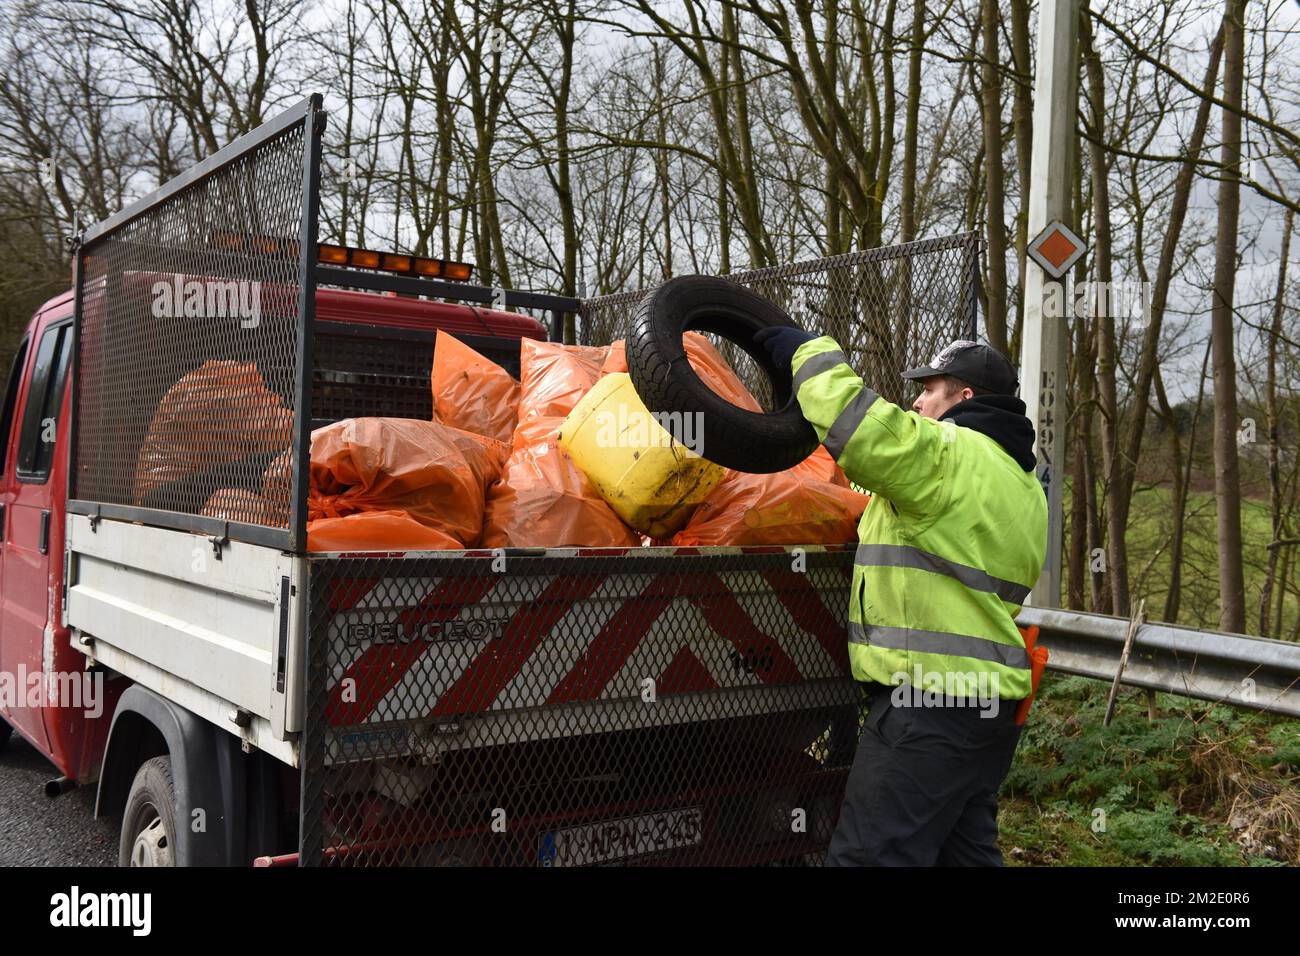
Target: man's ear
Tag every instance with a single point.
(967, 393)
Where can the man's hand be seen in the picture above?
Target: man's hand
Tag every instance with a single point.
(781, 342)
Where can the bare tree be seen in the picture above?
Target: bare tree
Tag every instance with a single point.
(1227, 484)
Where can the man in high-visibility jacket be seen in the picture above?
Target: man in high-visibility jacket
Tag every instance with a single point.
(951, 543)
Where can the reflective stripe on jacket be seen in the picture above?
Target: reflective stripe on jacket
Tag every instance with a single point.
(951, 543)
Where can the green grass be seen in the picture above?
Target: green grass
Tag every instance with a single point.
(1200, 785)
(1149, 530)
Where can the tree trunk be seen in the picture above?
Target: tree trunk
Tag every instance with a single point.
(1227, 486)
(1274, 432)
(1178, 534)
(1022, 123)
(908, 203)
(661, 168)
(1107, 347)
(1081, 438)
(565, 29)
(995, 204)
(1148, 356)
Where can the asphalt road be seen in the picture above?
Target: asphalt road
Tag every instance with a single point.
(38, 831)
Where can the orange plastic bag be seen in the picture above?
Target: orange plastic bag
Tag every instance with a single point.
(419, 484)
(277, 488)
(615, 359)
(554, 377)
(821, 465)
(236, 504)
(376, 531)
(219, 413)
(497, 451)
(784, 508)
(544, 501)
(471, 392)
(706, 361)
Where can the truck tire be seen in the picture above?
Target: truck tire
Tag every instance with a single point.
(5, 733)
(149, 820)
(755, 442)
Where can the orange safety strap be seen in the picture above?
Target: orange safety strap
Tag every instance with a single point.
(1037, 664)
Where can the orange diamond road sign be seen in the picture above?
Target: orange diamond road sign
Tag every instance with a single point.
(1056, 249)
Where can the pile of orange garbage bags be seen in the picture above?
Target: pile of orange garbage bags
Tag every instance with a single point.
(544, 500)
(488, 470)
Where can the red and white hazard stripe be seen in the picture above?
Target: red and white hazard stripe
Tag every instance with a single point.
(565, 639)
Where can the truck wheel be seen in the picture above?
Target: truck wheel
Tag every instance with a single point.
(755, 442)
(149, 820)
(5, 733)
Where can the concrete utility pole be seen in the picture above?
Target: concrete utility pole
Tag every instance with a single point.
(1042, 355)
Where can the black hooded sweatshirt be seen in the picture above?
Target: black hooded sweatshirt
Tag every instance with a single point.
(1002, 418)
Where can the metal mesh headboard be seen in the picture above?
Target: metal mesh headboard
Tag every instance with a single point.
(890, 308)
(192, 340)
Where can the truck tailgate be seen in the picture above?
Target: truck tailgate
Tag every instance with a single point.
(572, 705)
(454, 649)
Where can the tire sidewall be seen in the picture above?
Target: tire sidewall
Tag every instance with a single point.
(152, 787)
(729, 310)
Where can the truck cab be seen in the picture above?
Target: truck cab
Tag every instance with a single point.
(33, 639)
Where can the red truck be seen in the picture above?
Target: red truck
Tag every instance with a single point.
(239, 699)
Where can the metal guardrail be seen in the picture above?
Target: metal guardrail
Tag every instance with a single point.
(1252, 672)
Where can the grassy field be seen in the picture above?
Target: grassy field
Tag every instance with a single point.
(1198, 785)
(1192, 784)
(1149, 531)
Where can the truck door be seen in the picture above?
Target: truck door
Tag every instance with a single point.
(12, 390)
(25, 564)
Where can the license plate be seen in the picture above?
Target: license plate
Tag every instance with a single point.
(623, 839)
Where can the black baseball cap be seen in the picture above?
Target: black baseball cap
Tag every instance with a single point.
(975, 364)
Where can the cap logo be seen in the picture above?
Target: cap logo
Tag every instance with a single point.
(944, 358)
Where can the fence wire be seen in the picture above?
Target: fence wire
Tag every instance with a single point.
(890, 308)
(188, 345)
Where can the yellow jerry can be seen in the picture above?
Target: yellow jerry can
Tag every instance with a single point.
(650, 480)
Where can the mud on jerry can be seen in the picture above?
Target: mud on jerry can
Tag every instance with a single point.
(652, 481)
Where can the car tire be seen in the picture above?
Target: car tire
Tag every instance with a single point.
(149, 820)
(755, 442)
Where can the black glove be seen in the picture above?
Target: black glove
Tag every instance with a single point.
(781, 342)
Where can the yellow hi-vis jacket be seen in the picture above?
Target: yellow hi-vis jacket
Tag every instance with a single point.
(949, 547)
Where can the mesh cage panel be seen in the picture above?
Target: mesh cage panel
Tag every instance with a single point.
(581, 707)
(360, 371)
(890, 308)
(188, 344)
(357, 376)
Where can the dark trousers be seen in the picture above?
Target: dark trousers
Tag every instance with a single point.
(922, 790)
